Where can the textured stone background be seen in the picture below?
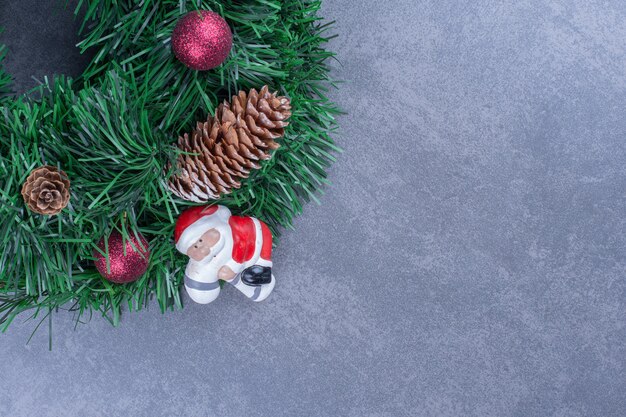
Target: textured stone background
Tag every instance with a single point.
(469, 259)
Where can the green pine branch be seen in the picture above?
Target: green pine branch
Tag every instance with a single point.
(112, 130)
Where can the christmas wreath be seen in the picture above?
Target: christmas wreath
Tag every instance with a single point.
(205, 108)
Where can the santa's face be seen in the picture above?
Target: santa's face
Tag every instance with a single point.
(202, 247)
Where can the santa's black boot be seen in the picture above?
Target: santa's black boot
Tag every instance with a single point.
(257, 275)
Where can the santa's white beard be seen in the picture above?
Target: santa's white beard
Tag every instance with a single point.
(204, 262)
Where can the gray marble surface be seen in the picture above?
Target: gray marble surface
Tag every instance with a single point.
(470, 258)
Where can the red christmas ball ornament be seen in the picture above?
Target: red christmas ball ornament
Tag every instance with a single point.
(127, 260)
(202, 40)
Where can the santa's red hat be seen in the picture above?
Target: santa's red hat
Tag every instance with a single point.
(194, 222)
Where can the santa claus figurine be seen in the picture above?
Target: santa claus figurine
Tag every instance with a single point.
(220, 246)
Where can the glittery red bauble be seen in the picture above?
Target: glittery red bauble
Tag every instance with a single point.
(128, 260)
(202, 40)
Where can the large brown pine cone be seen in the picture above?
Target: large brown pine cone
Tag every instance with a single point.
(223, 150)
(46, 190)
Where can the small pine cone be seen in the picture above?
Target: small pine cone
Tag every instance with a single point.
(46, 190)
(223, 150)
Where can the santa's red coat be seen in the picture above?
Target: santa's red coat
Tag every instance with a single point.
(244, 239)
